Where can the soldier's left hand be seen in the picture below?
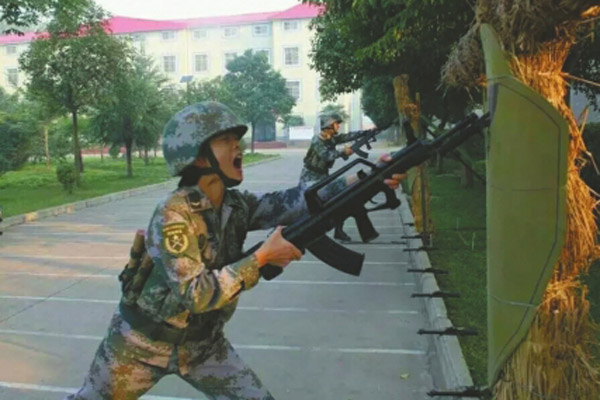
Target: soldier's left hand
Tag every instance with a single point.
(396, 179)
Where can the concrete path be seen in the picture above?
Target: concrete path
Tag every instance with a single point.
(312, 333)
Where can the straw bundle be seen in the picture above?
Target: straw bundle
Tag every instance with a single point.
(555, 362)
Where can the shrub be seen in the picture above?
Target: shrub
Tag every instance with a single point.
(591, 137)
(68, 176)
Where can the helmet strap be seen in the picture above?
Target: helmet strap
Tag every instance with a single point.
(215, 168)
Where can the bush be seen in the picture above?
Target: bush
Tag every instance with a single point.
(68, 176)
(591, 137)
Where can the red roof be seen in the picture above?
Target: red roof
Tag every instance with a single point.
(122, 25)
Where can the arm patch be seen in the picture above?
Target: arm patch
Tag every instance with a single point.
(175, 238)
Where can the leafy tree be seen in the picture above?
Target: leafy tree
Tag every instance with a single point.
(584, 62)
(258, 91)
(134, 111)
(73, 63)
(335, 108)
(210, 90)
(364, 39)
(16, 133)
(378, 100)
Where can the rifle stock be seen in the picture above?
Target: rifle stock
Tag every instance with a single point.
(324, 214)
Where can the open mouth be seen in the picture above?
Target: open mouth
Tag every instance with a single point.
(237, 161)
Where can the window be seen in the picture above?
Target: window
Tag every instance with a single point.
(200, 34)
(293, 88)
(266, 52)
(11, 49)
(169, 63)
(230, 31)
(291, 56)
(138, 37)
(229, 57)
(260, 30)
(289, 26)
(12, 76)
(168, 35)
(200, 63)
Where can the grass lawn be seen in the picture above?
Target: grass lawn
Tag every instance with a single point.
(459, 246)
(34, 187)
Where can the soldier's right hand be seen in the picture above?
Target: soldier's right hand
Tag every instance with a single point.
(348, 150)
(277, 251)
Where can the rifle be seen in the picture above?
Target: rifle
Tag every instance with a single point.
(362, 138)
(309, 232)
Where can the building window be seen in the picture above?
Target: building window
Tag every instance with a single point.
(168, 35)
(200, 34)
(289, 26)
(230, 31)
(11, 49)
(291, 56)
(137, 38)
(169, 63)
(12, 76)
(293, 88)
(260, 30)
(266, 52)
(200, 63)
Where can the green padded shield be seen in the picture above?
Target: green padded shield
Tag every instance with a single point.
(526, 202)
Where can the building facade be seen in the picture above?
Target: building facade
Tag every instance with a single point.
(199, 49)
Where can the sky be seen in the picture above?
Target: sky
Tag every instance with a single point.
(173, 9)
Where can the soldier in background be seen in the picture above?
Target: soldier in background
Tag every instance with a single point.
(171, 320)
(322, 153)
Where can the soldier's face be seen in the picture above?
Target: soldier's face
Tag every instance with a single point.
(336, 127)
(227, 151)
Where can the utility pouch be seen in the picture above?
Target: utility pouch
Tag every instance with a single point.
(136, 272)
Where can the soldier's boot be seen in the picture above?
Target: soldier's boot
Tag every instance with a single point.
(341, 235)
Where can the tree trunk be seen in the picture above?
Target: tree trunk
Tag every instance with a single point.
(467, 177)
(146, 160)
(128, 151)
(76, 147)
(252, 138)
(46, 144)
(155, 155)
(101, 152)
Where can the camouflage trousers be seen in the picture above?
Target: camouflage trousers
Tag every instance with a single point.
(308, 177)
(117, 373)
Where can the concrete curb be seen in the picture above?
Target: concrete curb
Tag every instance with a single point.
(449, 368)
(95, 201)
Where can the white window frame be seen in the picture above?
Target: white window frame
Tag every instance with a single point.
(197, 36)
(299, 81)
(285, 64)
(235, 35)
(267, 50)
(11, 49)
(176, 63)
(138, 38)
(168, 39)
(194, 64)
(295, 21)
(267, 30)
(7, 74)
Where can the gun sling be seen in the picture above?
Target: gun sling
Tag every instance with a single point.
(160, 330)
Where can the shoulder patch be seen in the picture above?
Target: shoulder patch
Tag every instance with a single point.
(197, 202)
(175, 238)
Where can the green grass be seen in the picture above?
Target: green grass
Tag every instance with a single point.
(462, 252)
(459, 246)
(34, 187)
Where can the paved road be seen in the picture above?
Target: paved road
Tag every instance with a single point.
(312, 333)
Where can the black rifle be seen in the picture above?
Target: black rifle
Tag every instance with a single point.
(362, 138)
(309, 232)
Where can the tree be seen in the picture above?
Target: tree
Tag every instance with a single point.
(378, 100)
(366, 39)
(259, 91)
(210, 90)
(16, 15)
(17, 133)
(72, 64)
(134, 110)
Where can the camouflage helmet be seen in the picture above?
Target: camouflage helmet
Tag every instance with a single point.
(328, 119)
(190, 128)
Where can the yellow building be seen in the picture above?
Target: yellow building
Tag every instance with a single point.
(201, 47)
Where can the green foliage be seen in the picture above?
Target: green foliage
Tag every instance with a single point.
(209, 90)
(72, 66)
(378, 100)
(584, 61)
(589, 173)
(68, 176)
(258, 92)
(363, 39)
(332, 108)
(293, 120)
(17, 133)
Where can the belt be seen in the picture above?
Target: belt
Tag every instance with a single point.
(160, 330)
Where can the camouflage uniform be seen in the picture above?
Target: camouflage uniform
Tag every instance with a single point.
(194, 286)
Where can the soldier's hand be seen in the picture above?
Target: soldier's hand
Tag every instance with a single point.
(277, 251)
(396, 179)
(348, 150)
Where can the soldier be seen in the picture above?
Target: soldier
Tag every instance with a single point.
(322, 153)
(174, 325)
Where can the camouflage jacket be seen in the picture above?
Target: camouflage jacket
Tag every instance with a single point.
(322, 154)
